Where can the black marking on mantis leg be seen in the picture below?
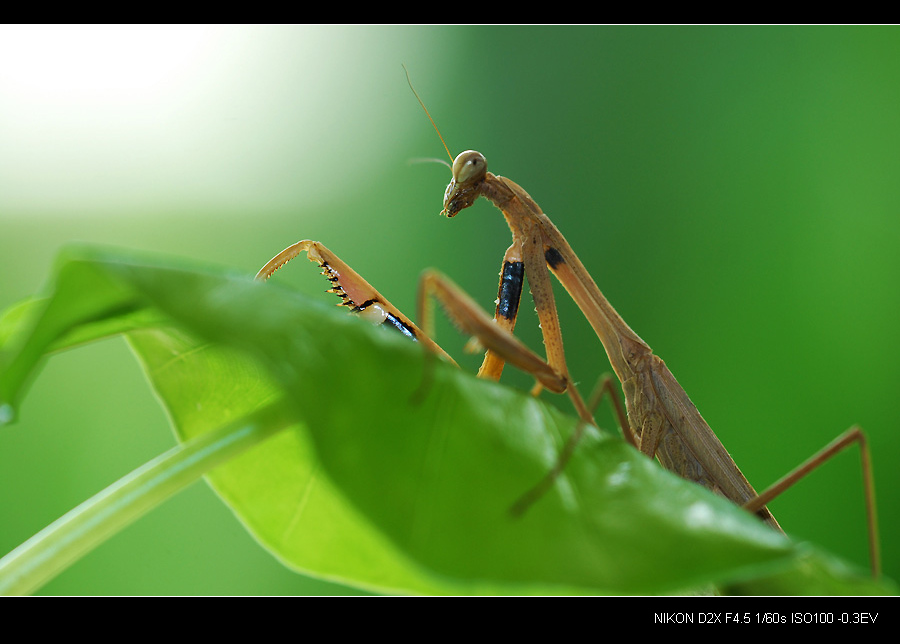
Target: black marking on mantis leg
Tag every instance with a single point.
(511, 280)
(398, 324)
(364, 305)
(390, 320)
(554, 257)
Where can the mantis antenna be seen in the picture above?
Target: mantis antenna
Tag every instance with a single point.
(427, 113)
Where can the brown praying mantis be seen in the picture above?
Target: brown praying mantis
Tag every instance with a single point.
(659, 418)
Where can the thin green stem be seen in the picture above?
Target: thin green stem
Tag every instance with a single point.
(79, 531)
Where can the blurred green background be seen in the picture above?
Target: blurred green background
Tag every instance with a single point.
(735, 191)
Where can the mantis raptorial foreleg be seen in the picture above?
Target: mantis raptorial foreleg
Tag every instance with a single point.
(356, 293)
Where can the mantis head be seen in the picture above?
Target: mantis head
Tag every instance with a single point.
(469, 171)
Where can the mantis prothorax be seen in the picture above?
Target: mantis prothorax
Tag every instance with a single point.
(661, 420)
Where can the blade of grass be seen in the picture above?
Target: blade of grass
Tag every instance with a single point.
(64, 541)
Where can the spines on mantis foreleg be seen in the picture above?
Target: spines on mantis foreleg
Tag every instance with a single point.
(355, 292)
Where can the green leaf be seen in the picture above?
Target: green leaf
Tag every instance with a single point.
(396, 472)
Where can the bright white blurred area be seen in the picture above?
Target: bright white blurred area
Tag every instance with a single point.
(86, 62)
(126, 120)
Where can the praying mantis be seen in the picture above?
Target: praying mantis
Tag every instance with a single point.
(659, 418)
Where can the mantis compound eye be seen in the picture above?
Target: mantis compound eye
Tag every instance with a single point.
(469, 166)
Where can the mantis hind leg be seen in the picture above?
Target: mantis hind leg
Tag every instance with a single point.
(606, 387)
(852, 435)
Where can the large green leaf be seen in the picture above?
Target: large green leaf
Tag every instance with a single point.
(392, 470)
